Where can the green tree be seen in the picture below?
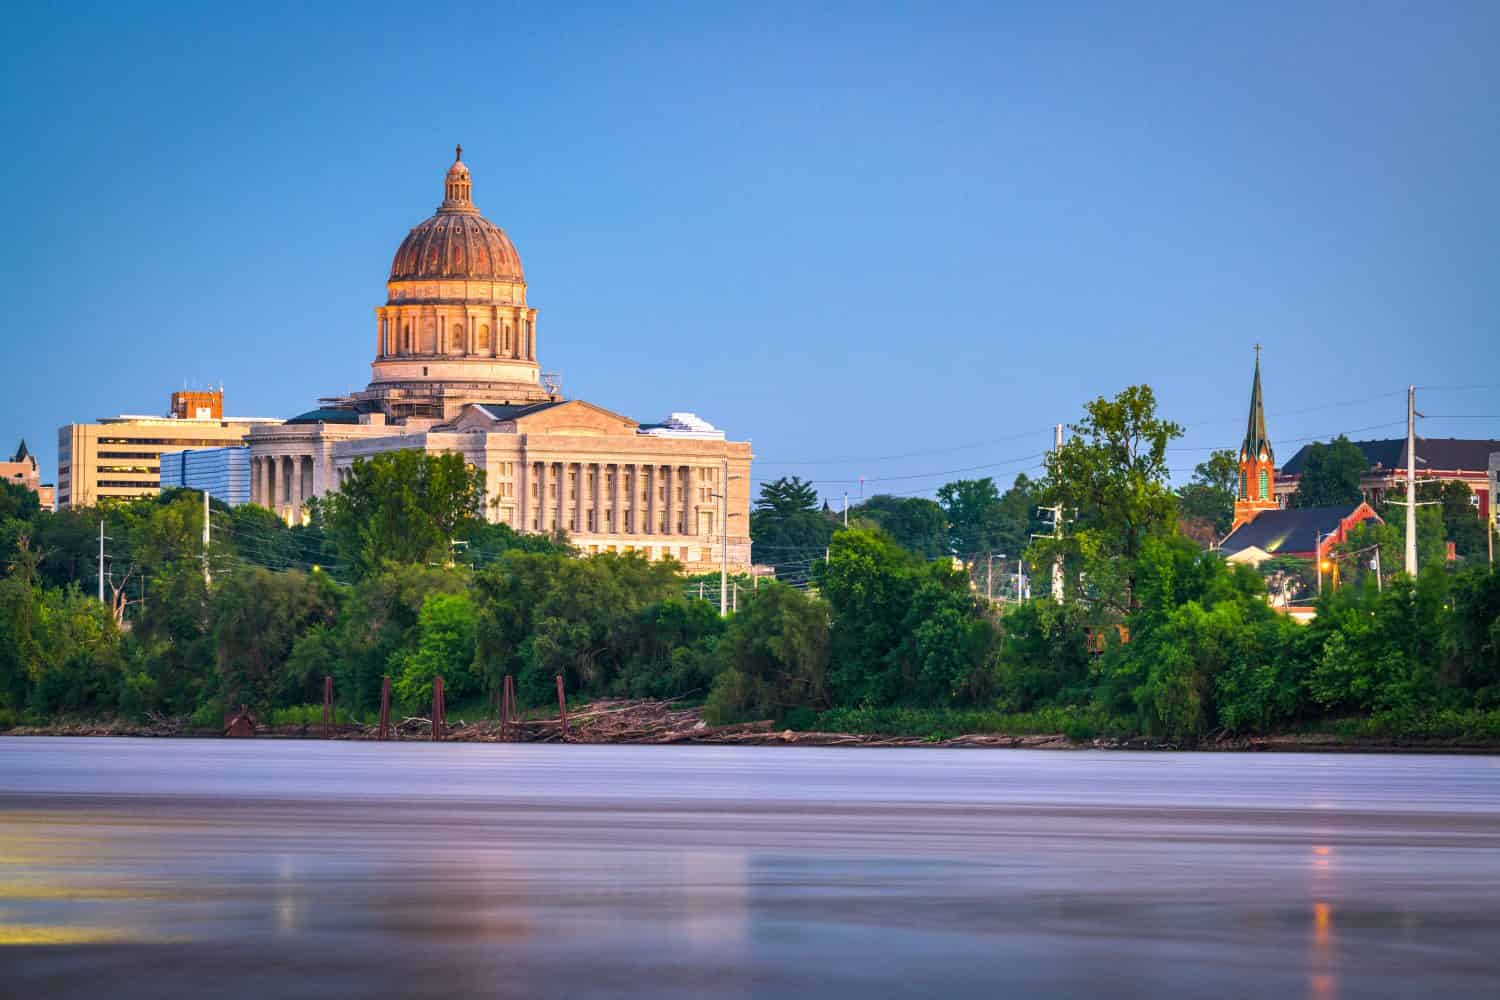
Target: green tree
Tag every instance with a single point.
(1017, 518)
(1209, 495)
(1473, 643)
(1330, 475)
(903, 629)
(917, 524)
(402, 507)
(975, 516)
(787, 528)
(775, 657)
(377, 627)
(258, 617)
(1111, 478)
(1462, 524)
(444, 648)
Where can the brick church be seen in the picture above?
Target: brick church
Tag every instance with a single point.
(1263, 528)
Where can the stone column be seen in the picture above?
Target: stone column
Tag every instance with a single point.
(551, 486)
(627, 510)
(667, 506)
(651, 472)
(613, 523)
(598, 492)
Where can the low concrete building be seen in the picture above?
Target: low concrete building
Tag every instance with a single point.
(223, 472)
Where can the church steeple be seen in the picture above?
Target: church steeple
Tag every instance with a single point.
(1257, 441)
(1257, 485)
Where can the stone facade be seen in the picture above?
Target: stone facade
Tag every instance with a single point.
(455, 370)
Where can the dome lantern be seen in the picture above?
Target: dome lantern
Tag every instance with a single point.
(456, 191)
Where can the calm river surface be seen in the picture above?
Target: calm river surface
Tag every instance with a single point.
(265, 868)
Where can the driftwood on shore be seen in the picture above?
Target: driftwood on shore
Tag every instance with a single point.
(646, 721)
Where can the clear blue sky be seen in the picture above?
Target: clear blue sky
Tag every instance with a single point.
(844, 232)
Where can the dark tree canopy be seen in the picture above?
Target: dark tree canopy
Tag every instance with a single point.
(1330, 475)
(916, 523)
(1209, 495)
(787, 528)
(1111, 480)
(403, 507)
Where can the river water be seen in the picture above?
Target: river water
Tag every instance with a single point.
(263, 868)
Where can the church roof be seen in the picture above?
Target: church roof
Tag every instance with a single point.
(1256, 438)
(1288, 531)
(21, 452)
(1433, 454)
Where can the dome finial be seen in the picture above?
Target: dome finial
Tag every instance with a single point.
(458, 152)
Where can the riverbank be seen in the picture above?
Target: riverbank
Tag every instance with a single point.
(644, 722)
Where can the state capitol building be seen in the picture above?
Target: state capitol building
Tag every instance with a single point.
(455, 370)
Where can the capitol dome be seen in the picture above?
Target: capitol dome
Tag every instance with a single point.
(457, 242)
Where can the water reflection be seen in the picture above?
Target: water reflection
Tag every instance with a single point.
(172, 867)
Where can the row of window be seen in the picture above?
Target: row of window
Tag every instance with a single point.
(206, 443)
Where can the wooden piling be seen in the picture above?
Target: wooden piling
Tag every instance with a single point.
(385, 707)
(562, 708)
(439, 719)
(327, 705)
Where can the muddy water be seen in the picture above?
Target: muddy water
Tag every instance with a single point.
(281, 868)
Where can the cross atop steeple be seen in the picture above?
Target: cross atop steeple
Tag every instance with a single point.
(1257, 352)
(458, 154)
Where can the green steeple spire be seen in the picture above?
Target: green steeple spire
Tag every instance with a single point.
(1256, 437)
(21, 452)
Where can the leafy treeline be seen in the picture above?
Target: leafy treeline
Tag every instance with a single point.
(883, 624)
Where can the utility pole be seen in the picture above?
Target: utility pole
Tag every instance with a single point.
(724, 541)
(989, 581)
(1379, 585)
(1411, 481)
(846, 508)
(1318, 558)
(101, 560)
(206, 577)
(1057, 516)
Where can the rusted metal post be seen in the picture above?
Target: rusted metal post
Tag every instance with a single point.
(437, 708)
(503, 701)
(562, 708)
(385, 708)
(327, 705)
